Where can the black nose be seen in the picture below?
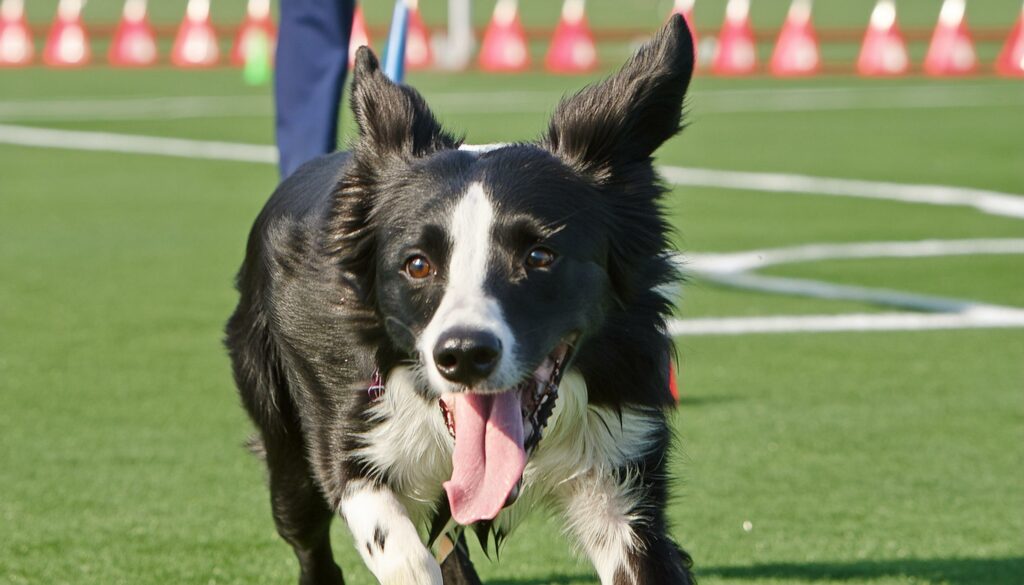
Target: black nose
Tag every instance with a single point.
(467, 356)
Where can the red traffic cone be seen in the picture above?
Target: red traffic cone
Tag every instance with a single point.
(196, 42)
(504, 45)
(884, 52)
(257, 19)
(1011, 59)
(737, 51)
(796, 52)
(572, 46)
(134, 42)
(684, 8)
(417, 40)
(15, 38)
(67, 44)
(360, 36)
(951, 51)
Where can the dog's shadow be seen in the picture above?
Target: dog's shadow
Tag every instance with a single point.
(951, 571)
(552, 580)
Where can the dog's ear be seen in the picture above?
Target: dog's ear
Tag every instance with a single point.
(393, 119)
(625, 118)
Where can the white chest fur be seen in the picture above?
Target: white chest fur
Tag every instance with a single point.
(412, 448)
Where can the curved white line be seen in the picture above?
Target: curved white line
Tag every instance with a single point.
(992, 202)
(987, 318)
(988, 201)
(756, 259)
(735, 270)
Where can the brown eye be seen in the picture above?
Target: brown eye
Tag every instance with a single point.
(540, 257)
(418, 267)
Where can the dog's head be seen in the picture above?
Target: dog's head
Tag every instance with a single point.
(495, 268)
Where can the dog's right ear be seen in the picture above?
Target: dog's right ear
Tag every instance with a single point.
(393, 119)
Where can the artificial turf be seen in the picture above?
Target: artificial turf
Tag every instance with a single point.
(881, 458)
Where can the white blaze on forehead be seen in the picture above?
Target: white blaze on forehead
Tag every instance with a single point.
(470, 231)
(466, 304)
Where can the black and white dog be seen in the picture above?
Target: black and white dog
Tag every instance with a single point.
(416, 314)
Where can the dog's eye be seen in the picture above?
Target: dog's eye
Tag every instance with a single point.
(418, 267)
(540, 257)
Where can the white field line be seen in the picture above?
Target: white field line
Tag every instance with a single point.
(839, 292)
(989, 201)
(135, 144)
(702, 102)
(757, 259)
(992, 202)
(971, 315)
(736, 270)
(980, 319)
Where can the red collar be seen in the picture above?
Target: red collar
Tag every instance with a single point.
(376, 389)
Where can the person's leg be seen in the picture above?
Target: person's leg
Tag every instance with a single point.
(311, 62)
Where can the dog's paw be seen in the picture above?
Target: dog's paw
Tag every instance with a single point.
(411, 568)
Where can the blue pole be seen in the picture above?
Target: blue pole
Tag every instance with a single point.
(394, 55)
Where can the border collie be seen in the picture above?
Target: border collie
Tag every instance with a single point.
(432, 337)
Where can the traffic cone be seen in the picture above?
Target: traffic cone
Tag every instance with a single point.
(884, 52)
(1011, 59)
(572, 46)
(134, 42)
(360, 37)
(684, 8)
(417, 40)
(67, 44)
(796, 52)
(196, 42)
(16, 48)
(951, 51)
(737, 51)
(504, 45)
(257, 21)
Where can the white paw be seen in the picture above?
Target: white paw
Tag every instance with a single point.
(387, 539)
(415, 567)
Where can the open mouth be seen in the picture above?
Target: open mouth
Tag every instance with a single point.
(495, 434)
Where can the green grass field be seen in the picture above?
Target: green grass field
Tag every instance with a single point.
(855, 457)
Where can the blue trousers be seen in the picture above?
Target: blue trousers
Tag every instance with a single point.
(311, 63)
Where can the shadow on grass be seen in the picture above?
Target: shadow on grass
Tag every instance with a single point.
(965, 571)
(558, 579)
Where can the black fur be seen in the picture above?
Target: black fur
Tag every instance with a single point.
(457, 569)
(321, 307)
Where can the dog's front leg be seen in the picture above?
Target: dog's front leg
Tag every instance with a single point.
(386, 537)
(618, 519)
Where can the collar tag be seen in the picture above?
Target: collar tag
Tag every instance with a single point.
(376, 389)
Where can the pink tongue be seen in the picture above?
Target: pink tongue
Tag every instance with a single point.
(489, 457)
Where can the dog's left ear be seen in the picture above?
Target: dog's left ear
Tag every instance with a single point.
(393, 119)
(625, 118)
